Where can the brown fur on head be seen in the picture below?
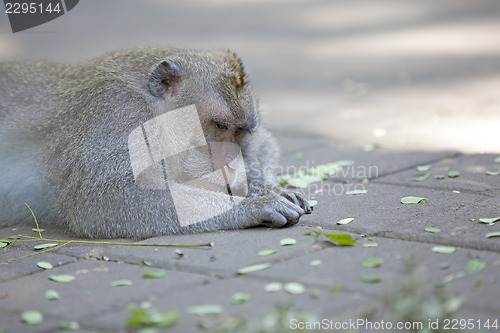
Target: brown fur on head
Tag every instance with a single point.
(238, 76)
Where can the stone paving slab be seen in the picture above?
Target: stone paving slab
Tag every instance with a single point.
(12, 270)
(90, 293)
(371, 165)
(342, 267)
(208, 275)
(220, 293)
(472, 177)
(232, 250)
(380, 212)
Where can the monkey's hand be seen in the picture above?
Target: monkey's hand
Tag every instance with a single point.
(294, 197)
(298, 199)
(276, 211)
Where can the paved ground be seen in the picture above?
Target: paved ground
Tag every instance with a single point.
(420, 77)
(334, 289)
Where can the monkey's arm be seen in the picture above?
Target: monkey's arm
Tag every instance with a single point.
(202, 210)
(261, 152)
(124, 210)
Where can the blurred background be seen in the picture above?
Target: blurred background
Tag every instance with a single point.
(411, 75)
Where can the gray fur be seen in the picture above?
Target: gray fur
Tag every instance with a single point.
(63, 143)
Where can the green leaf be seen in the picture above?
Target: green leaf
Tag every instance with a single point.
(45, 246)
(138, 317)
(149, 330)
(31, 317)
(68, 325)
(302, 181)
(298, 183)
(474, 266)
(373, 262)
(294, 288)
(62, 278)
(492, 234)
(413, 200)
(44, 265)
(356, 192)
(315, 262)
(432, 230)
(423, 168)
(165, 319)
(444, 249)
(453, 174)
(240, 298)
(51, 295)
(273, 287)
(368, 278)
(119, 283)
(154, 274)
(440, 177)
(149, 316)
(265, 253)
(38, 230)
(422, 177)
(325, 171)
(341, 239)
(373, 146)
(345, 221)
(493, 173)
(489, 219)
(335, 288)
(205, 310)
(287, 241)
(341, 163)
(452, 305)
(2, 244)
(253, 268)
(370, 244)
(312, 203)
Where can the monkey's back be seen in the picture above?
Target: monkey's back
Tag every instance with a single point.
(27, 100)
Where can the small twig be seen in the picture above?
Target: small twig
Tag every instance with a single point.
(211, 244)
(36, 221)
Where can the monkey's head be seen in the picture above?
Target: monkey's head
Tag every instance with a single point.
(216, 83)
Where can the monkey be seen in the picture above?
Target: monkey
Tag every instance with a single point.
(82, 144)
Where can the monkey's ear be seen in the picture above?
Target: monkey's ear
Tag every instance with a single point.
(164, 78)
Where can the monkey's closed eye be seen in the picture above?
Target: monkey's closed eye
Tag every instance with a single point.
(241, 130)
(222, 127)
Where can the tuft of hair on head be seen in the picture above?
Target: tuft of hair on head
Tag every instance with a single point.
(238, 76)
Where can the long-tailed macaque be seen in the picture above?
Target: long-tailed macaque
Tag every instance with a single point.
(112, 147)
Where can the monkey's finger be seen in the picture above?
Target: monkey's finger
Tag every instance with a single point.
(299, 200)
(303, 203)
(292, 197)
(274, 219)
